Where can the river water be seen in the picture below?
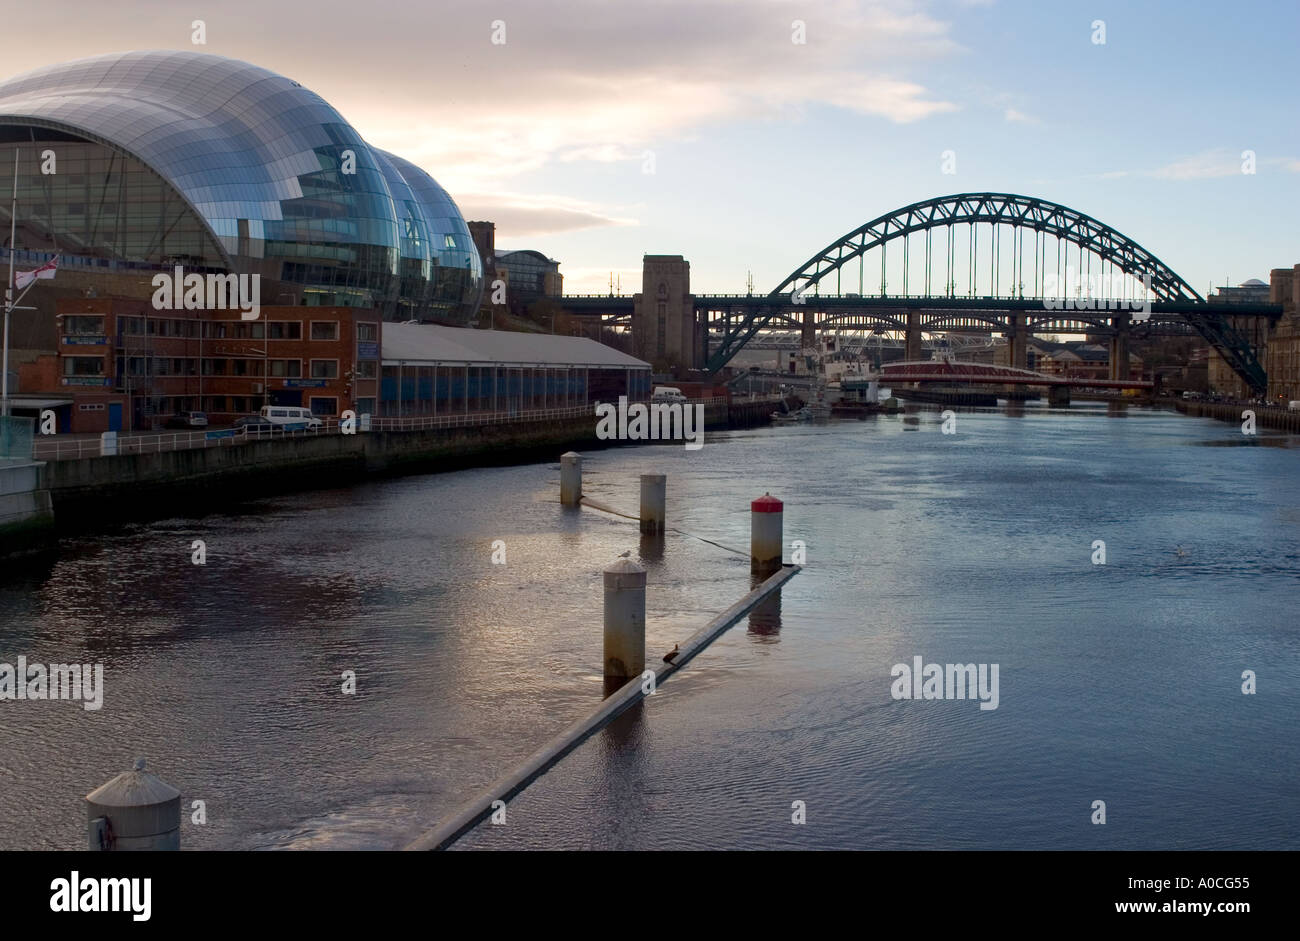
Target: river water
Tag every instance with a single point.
(1118, 682)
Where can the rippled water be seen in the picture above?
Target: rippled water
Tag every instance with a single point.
(1119, 682)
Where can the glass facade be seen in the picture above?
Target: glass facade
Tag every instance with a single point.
(164, 158)
(528, 270)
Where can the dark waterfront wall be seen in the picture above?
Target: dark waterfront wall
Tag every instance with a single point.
(1280, 419)
(88, 492)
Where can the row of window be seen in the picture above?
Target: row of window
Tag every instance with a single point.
(142, 366)
(84, 325)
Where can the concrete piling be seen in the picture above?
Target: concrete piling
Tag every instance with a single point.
(134, 811)
(570, 478)
(765, 534)
(654, 500)
(624, 621)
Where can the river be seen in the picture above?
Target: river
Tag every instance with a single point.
(1118, 682)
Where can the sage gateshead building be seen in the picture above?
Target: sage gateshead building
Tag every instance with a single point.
(134, 163)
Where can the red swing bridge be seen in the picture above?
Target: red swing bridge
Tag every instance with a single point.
(947, 371)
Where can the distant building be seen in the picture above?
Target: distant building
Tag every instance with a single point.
(1283, 362)
(128, 367)
(1081, 361)
(1253, 291)
(1221, 377)
(123, 366)
(431, 370)
(530, 274)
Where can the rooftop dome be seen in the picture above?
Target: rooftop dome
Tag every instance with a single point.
(282, 183)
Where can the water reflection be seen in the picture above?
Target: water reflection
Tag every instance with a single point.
(765, 617)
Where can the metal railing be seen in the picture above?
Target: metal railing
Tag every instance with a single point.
(67, 447)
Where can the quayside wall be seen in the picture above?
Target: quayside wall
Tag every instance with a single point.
(1265, 417)
(87, 492)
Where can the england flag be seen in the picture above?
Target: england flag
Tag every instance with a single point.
(24, 278)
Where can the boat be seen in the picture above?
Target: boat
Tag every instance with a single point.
(792, 418)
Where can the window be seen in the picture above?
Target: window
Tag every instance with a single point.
(83, 326)
(324, 330)
(323, 408)
(367, 331)
(367, 369)
(365, 407)
(289, 368)
(83, 365)
(324, 368)
(285, 330)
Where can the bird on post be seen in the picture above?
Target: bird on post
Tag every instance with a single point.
(668, 657)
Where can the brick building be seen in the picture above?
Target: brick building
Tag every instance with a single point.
(129, 367)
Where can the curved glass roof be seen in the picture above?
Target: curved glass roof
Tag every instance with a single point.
(262, 161)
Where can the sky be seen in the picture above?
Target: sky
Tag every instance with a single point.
(597, 131)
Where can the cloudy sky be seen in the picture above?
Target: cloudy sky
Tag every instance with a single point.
(602, 130)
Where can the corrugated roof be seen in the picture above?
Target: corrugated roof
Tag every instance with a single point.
(428, 343)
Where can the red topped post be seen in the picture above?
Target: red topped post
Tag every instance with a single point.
(766, 534)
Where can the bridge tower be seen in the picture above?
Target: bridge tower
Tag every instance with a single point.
(665, 327)
(808, 335)
(1018, 341)
(912, 341)
(1119, 364)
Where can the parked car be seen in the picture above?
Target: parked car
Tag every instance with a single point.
(668, 394)
(291, 416)
(254, 423)
(187, 420)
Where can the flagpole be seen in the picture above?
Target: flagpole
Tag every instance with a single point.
(9, 293)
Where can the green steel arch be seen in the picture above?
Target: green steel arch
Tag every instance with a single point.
(1024, 212)
(1020, 212)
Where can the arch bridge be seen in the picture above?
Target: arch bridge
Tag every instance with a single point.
(986, 262)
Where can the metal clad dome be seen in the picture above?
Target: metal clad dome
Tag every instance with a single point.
(259, 159)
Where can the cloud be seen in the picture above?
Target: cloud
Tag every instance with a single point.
(574, 80)
(518, 217)
(1012, 116)
(1202, 166)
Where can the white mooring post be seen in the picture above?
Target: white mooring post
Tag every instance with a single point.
(624, 620)
(134, 811)
(654, 489)
(570, 478)
(765, 534)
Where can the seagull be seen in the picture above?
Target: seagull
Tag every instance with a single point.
(1178, 551)
(624, 555)
(668, 657)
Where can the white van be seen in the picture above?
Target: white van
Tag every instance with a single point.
(290, 415)
(1293, 405)
(668, 394)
